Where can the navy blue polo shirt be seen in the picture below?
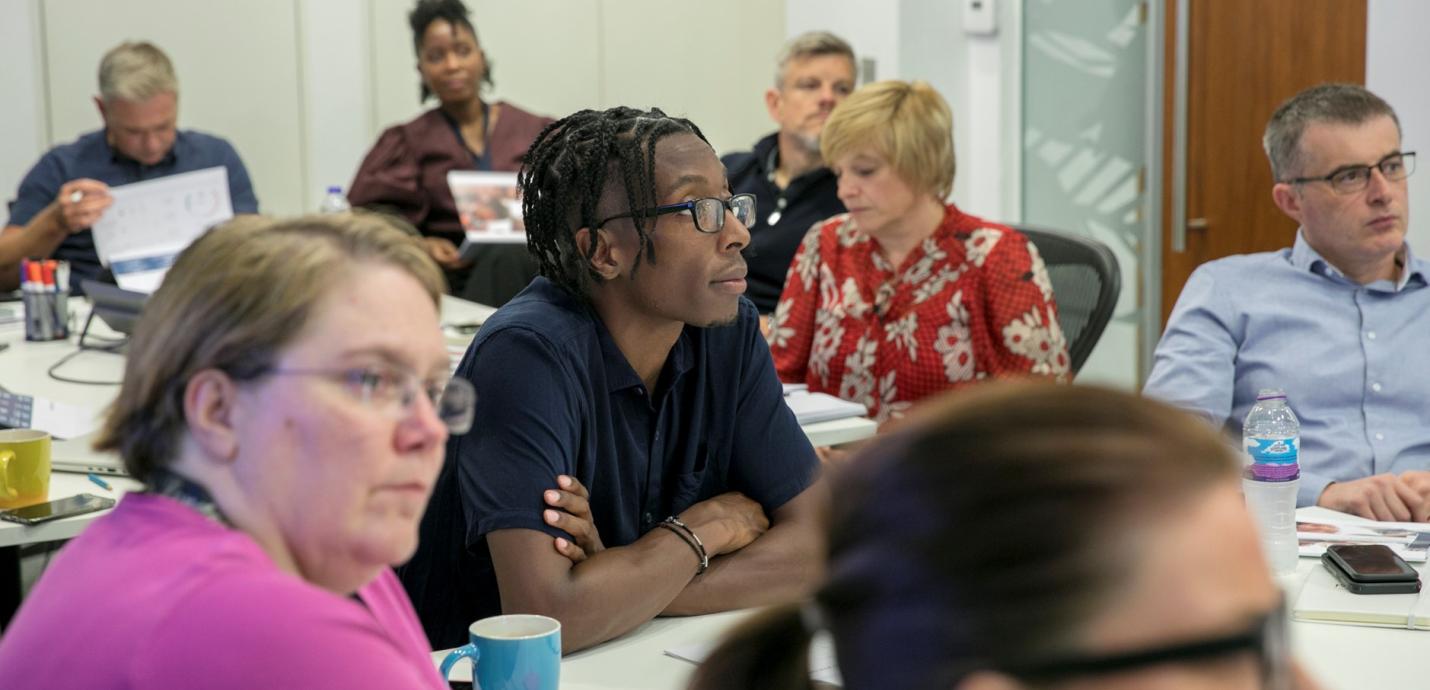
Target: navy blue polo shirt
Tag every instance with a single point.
(556, 396)
(90, 156)
(809, 199)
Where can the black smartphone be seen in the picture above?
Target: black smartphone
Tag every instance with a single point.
(1370, 569)
(54, 510)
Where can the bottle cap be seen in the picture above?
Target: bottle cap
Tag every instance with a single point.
(1270, 394)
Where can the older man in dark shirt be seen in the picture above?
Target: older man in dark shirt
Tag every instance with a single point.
(68, 189)
(784, 171)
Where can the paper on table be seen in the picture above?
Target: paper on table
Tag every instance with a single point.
(823, 667)
(62, 420)
(150, 222)
(810, 408)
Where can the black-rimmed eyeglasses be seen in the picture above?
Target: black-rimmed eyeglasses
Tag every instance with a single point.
(1266, 639)
(1350, 179)
(709, 213)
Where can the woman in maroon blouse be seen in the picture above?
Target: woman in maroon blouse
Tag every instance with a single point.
(905, 296)
(406, 171)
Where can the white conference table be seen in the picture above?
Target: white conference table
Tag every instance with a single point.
(24, 369)
(1339, 657)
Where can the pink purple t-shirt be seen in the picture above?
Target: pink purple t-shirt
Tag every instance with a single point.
(155, 595)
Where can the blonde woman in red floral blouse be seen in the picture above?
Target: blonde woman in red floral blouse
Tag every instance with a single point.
(905, 296)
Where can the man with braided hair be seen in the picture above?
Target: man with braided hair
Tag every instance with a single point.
(632, 455)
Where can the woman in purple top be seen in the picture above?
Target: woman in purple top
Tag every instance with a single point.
(284, 403)
(406, 170)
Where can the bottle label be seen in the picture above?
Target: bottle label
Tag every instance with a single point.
(1274, 459)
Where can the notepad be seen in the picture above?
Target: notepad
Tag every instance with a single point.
(61, 420)
(1324, 600)
(810, 408)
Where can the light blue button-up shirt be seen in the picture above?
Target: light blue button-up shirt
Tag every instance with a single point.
(1353, 359)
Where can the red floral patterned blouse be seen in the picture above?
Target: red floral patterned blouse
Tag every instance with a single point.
(972, 301)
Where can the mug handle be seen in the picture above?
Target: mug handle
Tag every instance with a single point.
(466, 651)
(6, 457)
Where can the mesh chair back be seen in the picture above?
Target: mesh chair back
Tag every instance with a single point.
(1086, 282)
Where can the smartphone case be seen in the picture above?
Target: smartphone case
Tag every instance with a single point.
(1336, 554)
(1355, 586)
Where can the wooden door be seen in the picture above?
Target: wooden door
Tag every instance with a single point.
(1245, 57)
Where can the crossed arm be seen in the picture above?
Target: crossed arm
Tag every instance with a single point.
(599, 593)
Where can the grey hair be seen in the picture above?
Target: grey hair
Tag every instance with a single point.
(136, 72)
(807, 45)
(1347, 104)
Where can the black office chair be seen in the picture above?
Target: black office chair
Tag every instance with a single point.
(1086, 282)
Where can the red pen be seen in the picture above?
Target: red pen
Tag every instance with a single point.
(39, 318)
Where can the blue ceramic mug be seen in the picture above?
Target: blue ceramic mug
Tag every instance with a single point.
(515, 652)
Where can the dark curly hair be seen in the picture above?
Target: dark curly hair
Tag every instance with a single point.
(451, 11)
(567, 169)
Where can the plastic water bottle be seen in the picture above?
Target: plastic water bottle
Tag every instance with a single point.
(334, 202)
(1272, 438)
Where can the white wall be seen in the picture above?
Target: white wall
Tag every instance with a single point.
(238, 70)
(976, 74)
(302, 87)
(1397, 56)
(22, 121)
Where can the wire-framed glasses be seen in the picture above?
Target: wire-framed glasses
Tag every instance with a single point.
(1350, 179)
(395, 391)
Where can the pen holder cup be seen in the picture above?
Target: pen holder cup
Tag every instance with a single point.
(47, 315)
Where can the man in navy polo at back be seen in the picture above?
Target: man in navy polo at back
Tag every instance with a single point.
(632, 455)
(785, 172)
(68, 189)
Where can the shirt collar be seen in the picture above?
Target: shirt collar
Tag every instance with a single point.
(1306, 258)
(116, 157)
(620, 375)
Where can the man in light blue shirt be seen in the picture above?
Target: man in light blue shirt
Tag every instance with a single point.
(1339, 320)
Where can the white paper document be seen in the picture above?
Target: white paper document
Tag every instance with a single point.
(150, 222)
(823, 667)
(489, 206)
(810, 408)
(61, 420)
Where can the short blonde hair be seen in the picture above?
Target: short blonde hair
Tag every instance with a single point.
(235, 298)
(136, 72)
(907, 123)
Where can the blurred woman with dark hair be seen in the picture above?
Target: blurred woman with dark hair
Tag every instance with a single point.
(406, 171)
(1084, 538)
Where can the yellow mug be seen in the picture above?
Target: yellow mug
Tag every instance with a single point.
(24, 467)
